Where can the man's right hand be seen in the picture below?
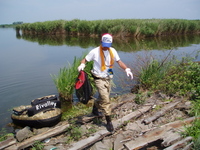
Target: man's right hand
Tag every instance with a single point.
(81, 67)
(129, 73)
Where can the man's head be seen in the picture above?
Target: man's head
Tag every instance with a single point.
(106, 40)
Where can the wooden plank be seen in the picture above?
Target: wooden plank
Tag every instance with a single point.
(156, 134)
(122, 100)
(132, 115)
(180, 144)
(102, 133)
(171, 137)
(160, 113)
(7, 142)
(49, 133)
(89, 141)
(188, 147)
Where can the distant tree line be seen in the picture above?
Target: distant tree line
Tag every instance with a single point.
(14, 24)
(18, 22)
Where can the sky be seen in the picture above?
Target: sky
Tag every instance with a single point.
(29, 11)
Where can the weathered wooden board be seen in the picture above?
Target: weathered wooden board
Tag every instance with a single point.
(102, 133)
(171, 137)
(180, 144)
(8, 142)
(88, 141)
(122, 100)
(160, 113)
(156, 134)
(50, 133)
(132, 115)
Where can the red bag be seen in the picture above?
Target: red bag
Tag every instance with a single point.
(83, 87)
(80, 80)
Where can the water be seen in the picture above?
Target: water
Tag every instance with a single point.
(26, 63)
(25, 70)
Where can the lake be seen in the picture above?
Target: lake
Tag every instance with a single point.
(27, 62)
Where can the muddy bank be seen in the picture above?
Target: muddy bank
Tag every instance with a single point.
(157, 123)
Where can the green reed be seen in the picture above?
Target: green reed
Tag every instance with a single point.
(47, 27)
(117, 27)
(152, 74)
(66, 78)
(180, 77)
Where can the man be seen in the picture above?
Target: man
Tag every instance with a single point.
(104, 57)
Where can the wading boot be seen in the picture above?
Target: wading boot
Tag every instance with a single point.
(109, 125)
(96, 112)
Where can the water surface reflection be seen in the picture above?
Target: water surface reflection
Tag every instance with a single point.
(26, 62)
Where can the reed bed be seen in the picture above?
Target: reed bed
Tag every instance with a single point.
(117, 27)
(67, 76)
(171, 76)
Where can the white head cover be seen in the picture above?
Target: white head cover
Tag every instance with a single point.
(106, 40)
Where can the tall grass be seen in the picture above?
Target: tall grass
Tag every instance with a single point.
(117, 27)
(66, 78)
(153, 73)
(47, 27)
(172, 76)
